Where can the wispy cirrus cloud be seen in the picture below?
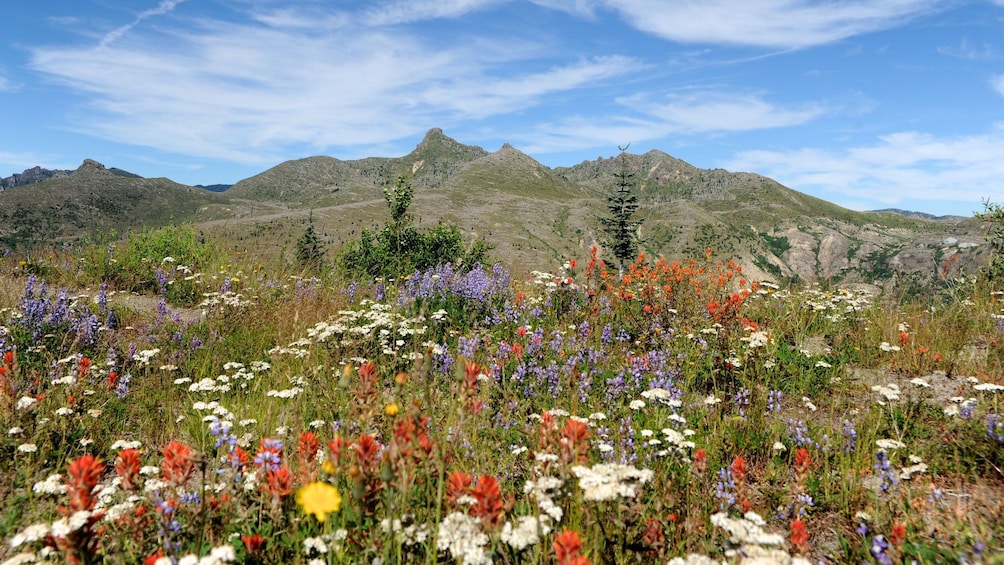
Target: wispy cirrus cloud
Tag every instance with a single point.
(408, 11)
(247, 90)
(647, 117)
(785, 24)
(969, 50)
(165, 6)
(997, 83)
(474, 97)
(5, 83)
(896, 168)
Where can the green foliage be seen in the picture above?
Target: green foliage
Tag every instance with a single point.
(993, 217)
(620, 227)
(399, 249)
(398, 200)
(777, 245)
(154, 261)
(309, 251)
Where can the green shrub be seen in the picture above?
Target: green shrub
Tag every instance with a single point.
(399, 249)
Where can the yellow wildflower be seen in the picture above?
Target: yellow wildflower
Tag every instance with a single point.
(392, 409)
(319, 499)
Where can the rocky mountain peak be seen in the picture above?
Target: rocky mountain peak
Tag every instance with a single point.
(89, 165)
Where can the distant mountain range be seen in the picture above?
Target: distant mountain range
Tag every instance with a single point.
(537, 216)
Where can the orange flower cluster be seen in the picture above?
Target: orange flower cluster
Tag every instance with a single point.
(488, 505)
(567, 549)
(306, 453)
(575, 442)
(409, 447)
(692, 288)
(799, 536)
(6, 370)
(84, 473)
(469, 389)
(739, 472)
(178, 463)
(362, 463)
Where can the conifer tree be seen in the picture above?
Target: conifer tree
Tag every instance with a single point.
(309, 252)
(620, 226)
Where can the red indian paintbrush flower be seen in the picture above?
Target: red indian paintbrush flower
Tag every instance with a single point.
(458, 483)
(575, 441)
(279, 483)
(127, 466)
(253, 544)
(307, 449)
(85, 472)
(489, 501)
(567, 546)
(178, 463)
(799, 536)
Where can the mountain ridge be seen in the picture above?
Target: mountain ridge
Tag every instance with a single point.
(536, 214)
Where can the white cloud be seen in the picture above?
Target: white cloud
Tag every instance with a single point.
(703, 111)
(585, 8)
(966, 49)
(998, 82)
(691, 112)
(408, 11)
(245, 92)
(897, 167)
(165, 6)
(766, 23)
(479, 98)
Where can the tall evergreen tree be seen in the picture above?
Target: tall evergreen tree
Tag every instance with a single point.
(309, 251)
(620, 226)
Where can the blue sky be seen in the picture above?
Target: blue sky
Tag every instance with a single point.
(868, 104)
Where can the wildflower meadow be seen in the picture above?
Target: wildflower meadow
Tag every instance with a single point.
(165, 401)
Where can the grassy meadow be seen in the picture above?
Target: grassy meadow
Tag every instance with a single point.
(165, 401)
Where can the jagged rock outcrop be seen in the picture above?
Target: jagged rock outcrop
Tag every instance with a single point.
(30, 176)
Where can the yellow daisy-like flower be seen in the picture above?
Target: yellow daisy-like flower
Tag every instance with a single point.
(392, 409)
(319, 499)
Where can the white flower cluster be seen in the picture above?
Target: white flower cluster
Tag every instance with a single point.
(889, 392)
(747, 530)
(461, 535)
(957, 403)
(375, 319)
(679, 443)
(544, 490)
(217, 555)
(406, 532)
(529, 530)
(607, 481)
(224, 383)
(755, 339)
(841, 301)
(53, 484)
(662, 396)
(215, 301)
(144, 356)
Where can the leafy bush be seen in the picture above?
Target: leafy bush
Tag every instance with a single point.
(399, 248)
(158, 261)
(993, 217)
